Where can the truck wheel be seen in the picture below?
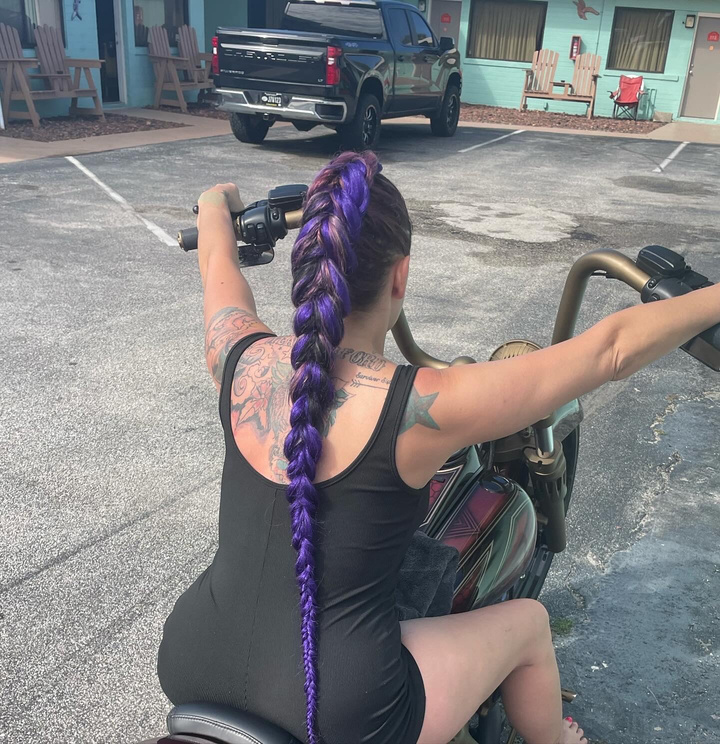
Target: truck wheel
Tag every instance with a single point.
(363, 132)
(249, 128)
(445, 122)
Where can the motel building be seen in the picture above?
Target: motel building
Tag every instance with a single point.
(673, 44)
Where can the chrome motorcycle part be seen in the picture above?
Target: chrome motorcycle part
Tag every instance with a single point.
(511, 349)
(549, 478)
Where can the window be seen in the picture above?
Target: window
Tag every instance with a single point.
(171, 14)
(399, 27)
(423, 34)
(342, 20)
(640, 39)
(26, 15)
(506, 29)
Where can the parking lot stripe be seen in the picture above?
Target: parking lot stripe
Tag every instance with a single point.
(156, 230)
(670, 157)
(489, 142)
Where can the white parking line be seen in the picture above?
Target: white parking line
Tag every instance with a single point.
(156, 230)
(670, 157)
(489, 142)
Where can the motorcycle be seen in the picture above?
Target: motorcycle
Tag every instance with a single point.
(501, 504)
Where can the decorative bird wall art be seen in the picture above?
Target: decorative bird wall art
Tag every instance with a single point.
(583, 9)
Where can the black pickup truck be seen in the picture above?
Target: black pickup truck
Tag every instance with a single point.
(345, 64)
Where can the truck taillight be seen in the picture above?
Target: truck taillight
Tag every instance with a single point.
(332, 66)
(215, 63)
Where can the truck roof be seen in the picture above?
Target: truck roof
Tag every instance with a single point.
(357, 3)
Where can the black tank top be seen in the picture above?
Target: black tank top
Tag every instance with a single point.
(234, 635)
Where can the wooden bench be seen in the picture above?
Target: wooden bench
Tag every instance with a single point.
(56, 67)
(167, 66)
(539, 81)
(16, 78)
(188, 48)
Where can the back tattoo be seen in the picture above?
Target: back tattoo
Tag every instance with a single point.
(261, 392)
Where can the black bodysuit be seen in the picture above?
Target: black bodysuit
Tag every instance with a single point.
(234, 635)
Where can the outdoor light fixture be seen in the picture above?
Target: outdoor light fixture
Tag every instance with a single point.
(690, 21)
(421, 6)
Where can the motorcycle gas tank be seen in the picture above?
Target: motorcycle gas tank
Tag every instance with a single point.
(491, 521)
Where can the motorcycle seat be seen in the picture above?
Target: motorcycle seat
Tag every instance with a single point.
(221, 723)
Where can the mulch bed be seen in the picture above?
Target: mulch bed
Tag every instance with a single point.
(199, 109)
(75, 127)
(529, 118)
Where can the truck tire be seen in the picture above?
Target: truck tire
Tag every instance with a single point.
(363, 132)
(444, 123)
(249, 128)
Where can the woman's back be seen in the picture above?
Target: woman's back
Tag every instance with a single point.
(235, 635)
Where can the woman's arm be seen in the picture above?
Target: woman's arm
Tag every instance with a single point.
(230, 312)
(486, 401)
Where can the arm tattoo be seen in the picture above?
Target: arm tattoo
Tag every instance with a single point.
(418, 411)
(225, 328)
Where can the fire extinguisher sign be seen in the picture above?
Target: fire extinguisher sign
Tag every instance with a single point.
(445, 18)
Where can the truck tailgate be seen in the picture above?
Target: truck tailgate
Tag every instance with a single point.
(270, 56)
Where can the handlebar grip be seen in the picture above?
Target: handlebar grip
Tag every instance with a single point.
(188, 239)
(705, 347)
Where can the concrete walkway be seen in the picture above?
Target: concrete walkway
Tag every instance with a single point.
(14, 150)
(677, 131)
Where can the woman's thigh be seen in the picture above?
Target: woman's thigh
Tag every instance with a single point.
(463, 658)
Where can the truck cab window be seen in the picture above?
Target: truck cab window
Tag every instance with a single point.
(340, 20)
(423, 33)
(399, 27)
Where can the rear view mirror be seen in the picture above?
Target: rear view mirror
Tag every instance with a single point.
(447, 43)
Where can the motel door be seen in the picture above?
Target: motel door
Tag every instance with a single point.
(702, 89)
(445, 18)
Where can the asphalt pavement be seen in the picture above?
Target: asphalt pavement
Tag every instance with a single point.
(112, 448)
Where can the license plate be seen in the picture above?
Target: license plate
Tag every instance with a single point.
(271, 99)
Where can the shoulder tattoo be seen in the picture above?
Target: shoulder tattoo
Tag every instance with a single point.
(417, 411)
(223, 330)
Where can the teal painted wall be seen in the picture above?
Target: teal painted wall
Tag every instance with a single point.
(223, 13)
(498, 83)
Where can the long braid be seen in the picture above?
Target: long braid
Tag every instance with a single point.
(322, 256)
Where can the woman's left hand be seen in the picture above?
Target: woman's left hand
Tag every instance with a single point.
(222, 196)
(215, 228)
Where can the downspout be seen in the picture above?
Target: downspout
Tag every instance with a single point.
(597, 38)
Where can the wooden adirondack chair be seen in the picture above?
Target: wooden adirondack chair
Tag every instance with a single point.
(16, 78)
(582, 89)
(166, 68)
(188, 48)
(584, 83)
(55, 66)
(539, 79)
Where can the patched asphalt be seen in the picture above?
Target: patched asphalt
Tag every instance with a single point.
(112, 449)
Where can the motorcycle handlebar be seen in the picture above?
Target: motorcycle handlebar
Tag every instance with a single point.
(678, 279)
(657, 274)
(188, 238)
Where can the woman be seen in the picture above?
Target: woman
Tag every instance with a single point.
(295, 619)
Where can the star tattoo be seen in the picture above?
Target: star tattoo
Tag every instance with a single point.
(418, 411)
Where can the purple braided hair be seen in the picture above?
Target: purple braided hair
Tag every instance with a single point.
(323, 254)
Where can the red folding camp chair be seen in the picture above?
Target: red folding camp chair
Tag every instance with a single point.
(627, 97)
